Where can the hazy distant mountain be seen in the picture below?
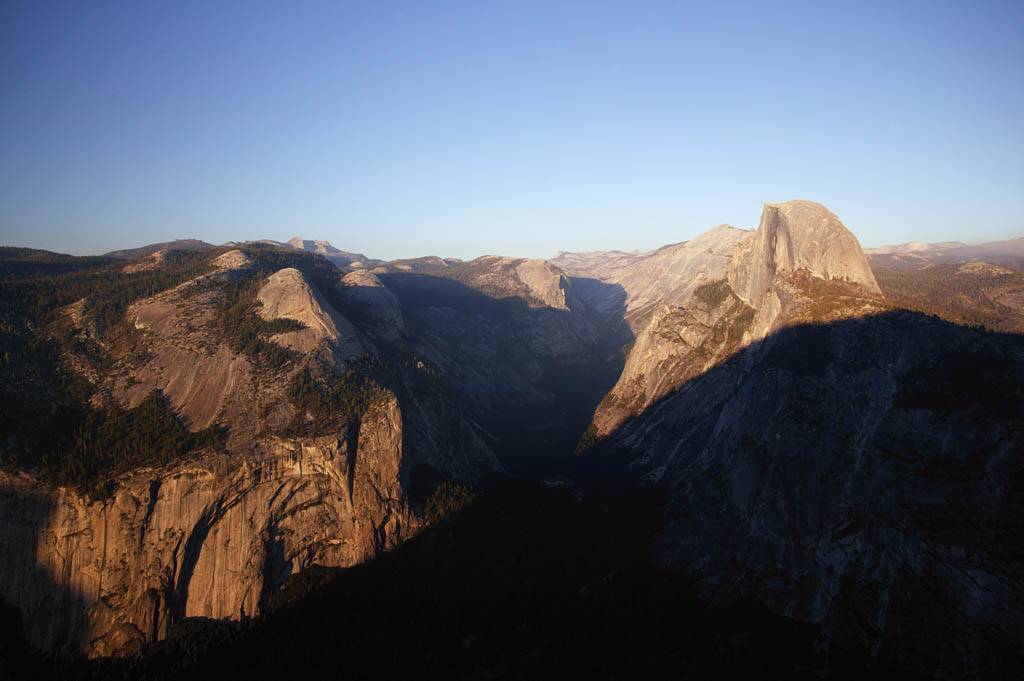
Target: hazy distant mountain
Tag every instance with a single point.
(667, 275)
(358, 261)
(916, 253)
(427, 263)
(605, 264)
(342, 259)
(18, 262)
(914, 247)
(177, 244)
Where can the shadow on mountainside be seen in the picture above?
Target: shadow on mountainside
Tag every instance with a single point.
(44, 589)
(559, 387)
(530, 375)
(866, 474)
(863, 476)
(531, 580)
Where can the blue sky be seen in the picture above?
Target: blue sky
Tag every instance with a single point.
(461, 128)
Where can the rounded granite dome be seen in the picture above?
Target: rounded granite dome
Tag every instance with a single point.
(798, 235)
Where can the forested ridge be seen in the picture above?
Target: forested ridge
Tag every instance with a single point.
(38, 293)
(495, 280)
(950, 293)
(62, 319)
(52, 418)
(246, 333)
(95, 445)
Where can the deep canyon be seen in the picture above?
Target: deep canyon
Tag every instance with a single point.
(809, 438)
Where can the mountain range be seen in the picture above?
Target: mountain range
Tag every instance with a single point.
(194, 434)
(917, 254)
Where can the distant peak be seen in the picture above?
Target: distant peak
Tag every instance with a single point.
(314, 245)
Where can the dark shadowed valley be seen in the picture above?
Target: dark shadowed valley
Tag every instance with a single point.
(753, 454)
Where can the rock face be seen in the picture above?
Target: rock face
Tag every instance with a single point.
(210, 538)
(175, 355)
(545, 283)
(232, 260)
(983, 268)
(149, 262)
(519, 350)
(798, 235)
(537, 282)
(427, 263)
(694, 304)
(341, 259)
(550, 319)
(287, 295)
(671, 331)
(677, 344)
(214, 534)
(827, 469)
(667, 276)
(380, 305)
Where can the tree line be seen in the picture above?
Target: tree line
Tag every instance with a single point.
(945, 292)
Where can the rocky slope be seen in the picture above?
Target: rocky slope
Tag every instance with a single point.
(667, 276)
(210, 538)
(836, 459)
(379, 306)
(526, 357)
(287, 295)
(537, 282)
(213, 533)
(694, 304)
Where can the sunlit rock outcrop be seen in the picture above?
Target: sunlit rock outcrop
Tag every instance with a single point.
(211, 537)
(793, 236)
(287, 295)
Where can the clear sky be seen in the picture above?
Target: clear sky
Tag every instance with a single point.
(521, 128)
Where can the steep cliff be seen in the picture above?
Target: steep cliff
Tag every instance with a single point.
(522, 354)
(209, 537)
(793, 236)
(325, 457)
(694, 304)
(536, 282)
